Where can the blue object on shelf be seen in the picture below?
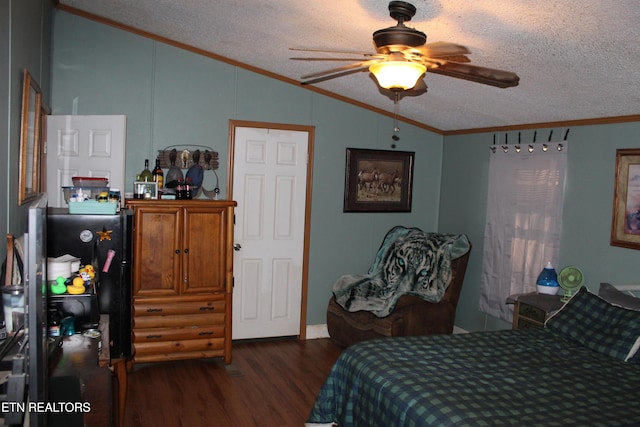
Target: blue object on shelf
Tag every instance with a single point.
(548, 276)
(195, 175)
(67, 326)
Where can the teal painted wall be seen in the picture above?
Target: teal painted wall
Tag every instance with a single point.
(587, 210)
(25, 42)
(173, 97)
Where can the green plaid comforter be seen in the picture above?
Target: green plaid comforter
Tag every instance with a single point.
(503, 378)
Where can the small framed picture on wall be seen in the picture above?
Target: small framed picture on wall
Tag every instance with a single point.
(625, 228)
(378, 180)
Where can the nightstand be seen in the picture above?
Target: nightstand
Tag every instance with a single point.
(531, 310)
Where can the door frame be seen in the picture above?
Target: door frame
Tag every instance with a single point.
(233, 124)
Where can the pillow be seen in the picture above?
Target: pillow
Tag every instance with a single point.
(617, 297)
(592, 322)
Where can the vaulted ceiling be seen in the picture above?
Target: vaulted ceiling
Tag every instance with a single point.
(577, 59)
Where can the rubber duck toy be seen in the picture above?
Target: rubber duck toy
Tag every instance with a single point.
(77, 286)
(87, 273)
(59, 286)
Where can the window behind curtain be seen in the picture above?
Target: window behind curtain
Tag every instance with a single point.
(524, 218)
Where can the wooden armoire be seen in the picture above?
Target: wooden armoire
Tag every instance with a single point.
(182, 279)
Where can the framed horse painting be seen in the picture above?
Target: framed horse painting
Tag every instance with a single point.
(378, 180)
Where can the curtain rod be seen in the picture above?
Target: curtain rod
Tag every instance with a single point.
(545, 147)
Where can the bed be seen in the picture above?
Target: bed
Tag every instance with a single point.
(581, 369)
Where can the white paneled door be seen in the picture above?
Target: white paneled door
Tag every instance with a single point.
(269, 185)
(91, 146)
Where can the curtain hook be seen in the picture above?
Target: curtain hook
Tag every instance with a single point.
(530, 148)
(493, 149)
(545, 147)
(560, 147)
(517, 148)
(505, 148)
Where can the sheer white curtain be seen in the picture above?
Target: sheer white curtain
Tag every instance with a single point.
(524, 218)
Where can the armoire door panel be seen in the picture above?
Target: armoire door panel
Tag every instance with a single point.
(157, 249)
(204, 246)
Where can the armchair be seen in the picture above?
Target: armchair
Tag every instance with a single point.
(412, 314)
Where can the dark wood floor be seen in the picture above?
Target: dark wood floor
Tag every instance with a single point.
(269, 383)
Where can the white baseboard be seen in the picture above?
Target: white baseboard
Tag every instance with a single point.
(317, 331)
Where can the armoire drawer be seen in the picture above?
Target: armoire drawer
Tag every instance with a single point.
(166, 348)
(178, 320)
(154, 308)
(176, 334)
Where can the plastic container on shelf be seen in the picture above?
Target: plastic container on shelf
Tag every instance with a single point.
(88, 181)
(76, 194)
(90, 207)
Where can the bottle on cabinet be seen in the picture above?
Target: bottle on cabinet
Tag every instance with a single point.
(146, 175)
(158, 175)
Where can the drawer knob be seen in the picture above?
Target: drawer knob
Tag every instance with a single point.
(207, 308)
(154, 310)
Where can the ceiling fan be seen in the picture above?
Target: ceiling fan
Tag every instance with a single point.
(403, 51)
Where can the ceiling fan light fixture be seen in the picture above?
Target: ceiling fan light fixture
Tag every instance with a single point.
(397, 75)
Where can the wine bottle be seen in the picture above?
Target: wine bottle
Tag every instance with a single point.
(146, 175)
(158, 175)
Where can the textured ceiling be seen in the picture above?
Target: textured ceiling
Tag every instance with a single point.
(577, 59)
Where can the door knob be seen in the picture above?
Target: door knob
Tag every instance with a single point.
(237, 247)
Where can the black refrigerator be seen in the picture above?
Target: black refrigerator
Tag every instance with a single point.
(92, 238)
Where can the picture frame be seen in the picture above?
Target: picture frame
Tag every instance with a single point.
(30, 140)
(625, 227)
(378, 180)
(145, 189)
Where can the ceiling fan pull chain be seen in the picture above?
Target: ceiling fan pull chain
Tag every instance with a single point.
(396, 110)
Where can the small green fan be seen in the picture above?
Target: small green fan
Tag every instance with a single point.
(570, 279)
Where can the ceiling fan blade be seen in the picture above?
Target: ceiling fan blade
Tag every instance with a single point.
(338, 69)
(333, 76)
(331, 59)
(474, 73)
(455, 58)
(442, 50)
(339, 51)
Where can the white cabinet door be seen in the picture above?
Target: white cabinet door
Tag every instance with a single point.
(92, 146)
